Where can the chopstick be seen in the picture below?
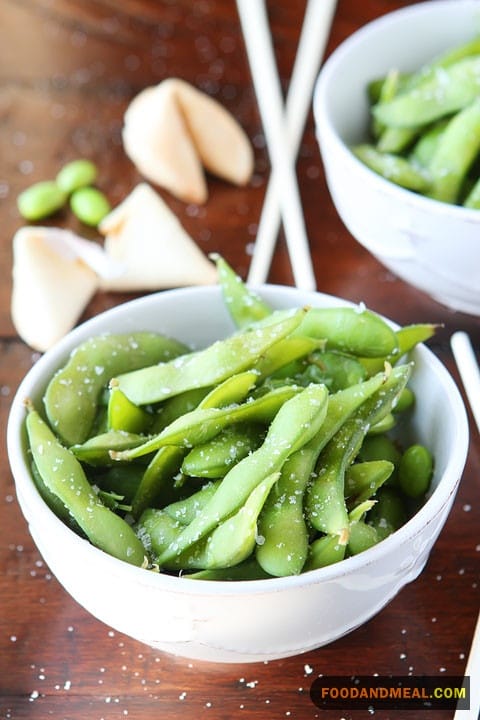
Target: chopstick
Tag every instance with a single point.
(311, 47)
(470, 375)
(468, 369)
(258, 42)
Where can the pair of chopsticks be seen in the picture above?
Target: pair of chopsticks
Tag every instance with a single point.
(470, 375)
(283, 127)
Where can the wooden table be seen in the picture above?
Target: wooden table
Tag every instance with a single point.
(68, 68)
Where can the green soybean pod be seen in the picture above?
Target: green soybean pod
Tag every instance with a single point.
(395, 168)
(233, 541)
(186, 509)
(362, 537)
(295, 424)
(207, 367)
(90, 205)
(73, 394)
(445, 91)
(472, 199)
(40, 200)
(456, 150)
(244, 305)
(124, 415)
(214, 458)
(63, 474)
(389, 513)
(415, 471)
(325, 550)
(96, 450)
(352, 330)
(247, 570)
(424, 149)
(76, 174)
(363, 479)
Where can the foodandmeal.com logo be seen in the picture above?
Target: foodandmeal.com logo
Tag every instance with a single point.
(363, 692)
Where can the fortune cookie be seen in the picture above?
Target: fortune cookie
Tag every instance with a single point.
(172, 132)
(145, 238)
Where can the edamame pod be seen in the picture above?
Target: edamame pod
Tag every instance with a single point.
(325, 550)
(456, 150)
(356, 331)
(325, 498)
(446, 91)
(297, 421)
(248, 570)
(205, 367)
(389, 512)
(123, 415)
(363, 479)
(200, 425)
(186, 510)
(336, 370)
(63, 475)
(233, 541)
(97, 450)
(395, 168)
(282, 532)
(159, 477)
(72, 394)
(244, 305)
(214, 459)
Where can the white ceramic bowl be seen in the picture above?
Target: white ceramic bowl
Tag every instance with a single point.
(432, 245)
(239, 621)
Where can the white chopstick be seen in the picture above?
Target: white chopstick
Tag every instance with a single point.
(258, 42)
(468, 369)
(311, 48)
(470, 374)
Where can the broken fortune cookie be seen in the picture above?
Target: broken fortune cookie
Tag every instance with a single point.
(52, 284)
(172, 131)
(145, 238)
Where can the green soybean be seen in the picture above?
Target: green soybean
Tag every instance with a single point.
(415, 471)
(76, 174)
(90, 205)
(40, 200)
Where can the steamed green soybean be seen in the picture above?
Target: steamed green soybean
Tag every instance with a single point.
(90, 205)
(41, 200)
(76, 174)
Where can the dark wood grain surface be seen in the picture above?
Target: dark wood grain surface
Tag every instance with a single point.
(68, 69)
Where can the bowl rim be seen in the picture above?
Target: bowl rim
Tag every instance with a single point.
(322, 117)
(426, 514)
